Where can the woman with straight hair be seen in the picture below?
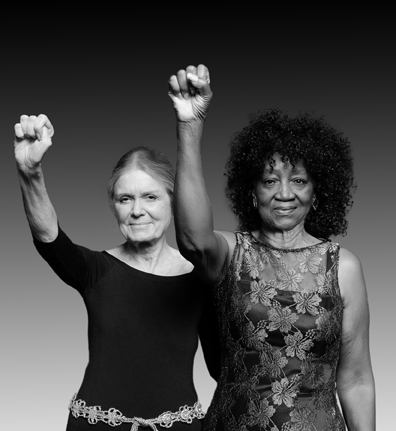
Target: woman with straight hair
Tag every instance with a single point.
(146, 305)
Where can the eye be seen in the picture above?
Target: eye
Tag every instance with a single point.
(124, 199)
(269, 182)
(151, 197)
(300, 181)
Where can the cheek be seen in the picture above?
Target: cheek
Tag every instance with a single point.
(121, 214)
(166, 216)
(308, 196)
(165, 211)
(263, 195)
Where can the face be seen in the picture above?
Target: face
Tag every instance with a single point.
(142, 207)
(284, 195)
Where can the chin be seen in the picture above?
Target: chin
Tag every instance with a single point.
(143, 238)
(286, 226)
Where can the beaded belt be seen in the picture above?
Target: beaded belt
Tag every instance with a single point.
(114, 417)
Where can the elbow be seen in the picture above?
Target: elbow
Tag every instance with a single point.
(47, 233)
(358, 381)
(189, 249)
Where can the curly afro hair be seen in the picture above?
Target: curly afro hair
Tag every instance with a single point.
(325, 153)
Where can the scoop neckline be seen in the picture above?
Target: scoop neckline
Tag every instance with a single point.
(283, 250)
(144, 273)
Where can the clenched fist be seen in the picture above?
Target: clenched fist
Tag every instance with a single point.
(33, 137)
(190, 92)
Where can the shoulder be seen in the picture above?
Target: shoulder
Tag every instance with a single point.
(348, 262)
(353, 290)
(229, 236)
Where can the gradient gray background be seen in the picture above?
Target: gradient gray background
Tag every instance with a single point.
(105, 90)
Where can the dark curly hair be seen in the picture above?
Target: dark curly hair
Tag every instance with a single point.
(325, 153)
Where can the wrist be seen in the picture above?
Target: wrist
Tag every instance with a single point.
(196, 124)
(30, 171)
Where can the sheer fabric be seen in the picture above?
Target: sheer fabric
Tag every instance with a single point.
(280, 315)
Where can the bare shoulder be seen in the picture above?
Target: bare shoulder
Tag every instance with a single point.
(348, 259)
(350, 274)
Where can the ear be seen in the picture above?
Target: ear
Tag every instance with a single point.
(254, 199)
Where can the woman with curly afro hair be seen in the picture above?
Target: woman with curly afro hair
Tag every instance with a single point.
(325, 153)
(292, 305)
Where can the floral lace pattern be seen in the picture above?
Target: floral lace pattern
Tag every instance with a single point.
(280, 314)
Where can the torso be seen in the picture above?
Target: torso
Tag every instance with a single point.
(280, 317)
(142, 334)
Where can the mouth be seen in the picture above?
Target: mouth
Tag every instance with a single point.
(284, 210)
(139, 225)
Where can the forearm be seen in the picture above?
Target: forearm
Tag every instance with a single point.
(39, 211)
(193, 213)
(358, 406)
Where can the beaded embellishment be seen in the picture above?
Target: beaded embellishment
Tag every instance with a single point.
(114, 417)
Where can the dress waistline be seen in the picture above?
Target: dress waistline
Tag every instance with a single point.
(114, 417)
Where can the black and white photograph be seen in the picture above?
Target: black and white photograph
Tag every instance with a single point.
(198, 222)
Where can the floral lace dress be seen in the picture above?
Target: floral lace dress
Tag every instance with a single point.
(280, 315)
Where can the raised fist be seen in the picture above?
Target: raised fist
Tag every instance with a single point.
(33, 137)
(190, 93)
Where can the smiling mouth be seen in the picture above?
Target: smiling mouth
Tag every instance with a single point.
(285, 210)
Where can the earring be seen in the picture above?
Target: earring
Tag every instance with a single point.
(315, 203)
(254, 201)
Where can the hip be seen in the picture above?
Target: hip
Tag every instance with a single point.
(82, 416)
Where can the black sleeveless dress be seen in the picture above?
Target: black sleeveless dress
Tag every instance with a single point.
(280, 317)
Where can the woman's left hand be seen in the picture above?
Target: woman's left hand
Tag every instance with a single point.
(190, 92)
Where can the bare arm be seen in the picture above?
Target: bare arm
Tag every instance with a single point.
(355, 381)
(33, 137)
(207, 250)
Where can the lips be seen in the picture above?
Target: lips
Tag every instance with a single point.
(284, 210)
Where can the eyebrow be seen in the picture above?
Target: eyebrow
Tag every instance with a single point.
(151, 192)
(294, 169)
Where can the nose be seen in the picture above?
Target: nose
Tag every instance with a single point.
(137, 208)
(285, 191)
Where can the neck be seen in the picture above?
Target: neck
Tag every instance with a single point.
(293, 238)
(145, 256)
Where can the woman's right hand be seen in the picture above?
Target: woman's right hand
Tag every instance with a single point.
(33, 137)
